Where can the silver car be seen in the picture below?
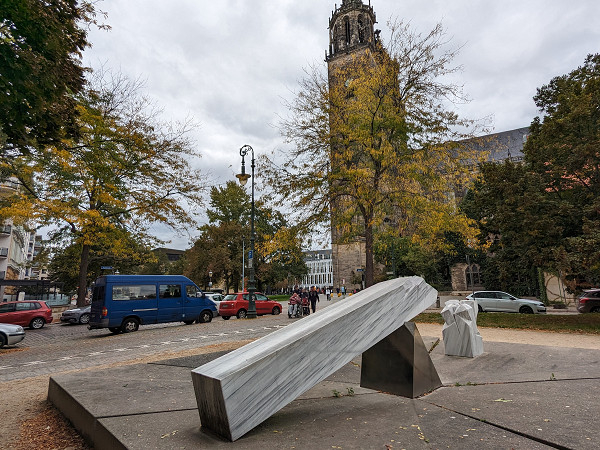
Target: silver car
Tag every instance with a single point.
(11, 334)
(77, 315)
(502, 302)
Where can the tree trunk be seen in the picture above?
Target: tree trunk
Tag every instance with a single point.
(369, 268)
(83, 267)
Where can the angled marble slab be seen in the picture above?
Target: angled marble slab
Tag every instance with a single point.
(240, 390)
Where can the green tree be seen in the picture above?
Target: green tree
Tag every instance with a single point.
(65, 249)
(219, 247)
(520, 225)
(563, 149)
(125, 171)
(40, 66)
(376, 139)
(546, 212)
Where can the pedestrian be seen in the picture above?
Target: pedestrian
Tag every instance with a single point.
(305, 302)
(328, 293)
(313, 297)
(293, 305)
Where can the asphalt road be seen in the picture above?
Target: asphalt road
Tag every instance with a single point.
(62, 347)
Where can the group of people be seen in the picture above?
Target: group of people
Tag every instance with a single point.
(305, 299)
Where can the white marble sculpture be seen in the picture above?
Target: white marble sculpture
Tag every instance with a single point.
(241, 389)
(461, 337)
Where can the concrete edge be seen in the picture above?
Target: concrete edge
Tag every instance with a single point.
(90, 428)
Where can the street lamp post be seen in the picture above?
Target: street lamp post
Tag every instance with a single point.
(210, 279)
(243, 177)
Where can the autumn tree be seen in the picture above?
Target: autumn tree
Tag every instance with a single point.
(378, 142)
(40, 65)
(219, 247)
(125, 171)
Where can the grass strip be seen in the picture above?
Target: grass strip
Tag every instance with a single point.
(571, 323)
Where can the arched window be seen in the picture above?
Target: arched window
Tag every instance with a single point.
(473, 271)
(361, 29)
(347, 29)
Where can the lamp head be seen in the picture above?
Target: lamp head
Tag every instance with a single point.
(243, 177)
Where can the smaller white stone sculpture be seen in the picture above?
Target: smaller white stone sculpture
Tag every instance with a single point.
(461, 337)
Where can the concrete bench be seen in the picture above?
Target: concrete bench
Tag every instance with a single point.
(240, 390)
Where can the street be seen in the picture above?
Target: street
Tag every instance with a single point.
(62, 347)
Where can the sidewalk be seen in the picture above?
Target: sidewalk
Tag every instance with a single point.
(513, 396)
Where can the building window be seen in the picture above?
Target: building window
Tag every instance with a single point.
(361, 30)
(473, 271)
(347, 29)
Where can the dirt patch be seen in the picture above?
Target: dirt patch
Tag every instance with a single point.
(29, 421)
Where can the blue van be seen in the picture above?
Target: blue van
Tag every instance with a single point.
(122, 303)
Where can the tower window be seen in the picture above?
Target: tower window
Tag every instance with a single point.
(347, 28)
(361, 29)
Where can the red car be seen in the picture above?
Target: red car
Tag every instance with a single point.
(33, 314)
(237, 305)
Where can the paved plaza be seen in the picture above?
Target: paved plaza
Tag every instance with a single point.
(515, 395)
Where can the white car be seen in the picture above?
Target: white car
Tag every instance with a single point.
(11, 334)
(215, 297)
(502, 302)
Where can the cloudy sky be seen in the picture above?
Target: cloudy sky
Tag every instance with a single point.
(230, 63)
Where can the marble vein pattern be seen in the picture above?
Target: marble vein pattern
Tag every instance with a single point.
(460, 333)
(241, 389)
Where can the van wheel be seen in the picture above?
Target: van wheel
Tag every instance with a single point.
(114, 329)
(241, 314)
(129, 325)
(205, 317)
(37, 323)
(226, 317)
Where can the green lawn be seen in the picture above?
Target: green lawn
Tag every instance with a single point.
(574, 323)
(279, 298)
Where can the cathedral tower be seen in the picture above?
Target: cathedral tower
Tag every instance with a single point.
(351, 32)
(351, 36)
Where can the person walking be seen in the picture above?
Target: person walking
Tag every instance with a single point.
(313, 297)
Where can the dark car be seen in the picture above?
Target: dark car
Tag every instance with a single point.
(237, 305)
(589, 301)
(33, 314)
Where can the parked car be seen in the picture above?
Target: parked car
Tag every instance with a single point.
(589, 301)
(31, 313)
(77, 315)
(237, 305)
(215, 297)
(11, 334)
(503, 302)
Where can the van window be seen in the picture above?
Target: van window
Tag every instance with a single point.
(134, 292)
(98, 294)
(169, 290)
(192, 291)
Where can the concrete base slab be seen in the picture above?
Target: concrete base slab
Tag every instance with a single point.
(153, 406)
(553, 412)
